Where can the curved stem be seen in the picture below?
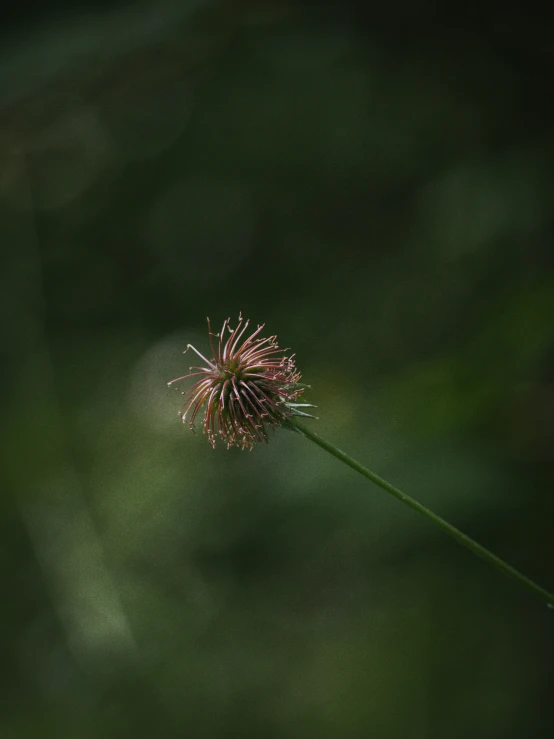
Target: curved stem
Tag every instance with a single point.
(459, 536)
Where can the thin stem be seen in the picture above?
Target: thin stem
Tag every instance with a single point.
(460, 537)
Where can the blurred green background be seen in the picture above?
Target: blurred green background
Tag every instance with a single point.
(373, 181)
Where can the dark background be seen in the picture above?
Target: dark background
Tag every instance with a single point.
(375, 183)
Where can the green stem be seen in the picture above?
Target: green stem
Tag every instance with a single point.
(460, 537)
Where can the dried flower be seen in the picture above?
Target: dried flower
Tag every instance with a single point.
(246, 388)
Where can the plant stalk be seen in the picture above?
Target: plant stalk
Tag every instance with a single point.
(455, 533)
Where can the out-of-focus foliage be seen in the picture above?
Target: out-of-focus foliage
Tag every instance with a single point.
(375, 183)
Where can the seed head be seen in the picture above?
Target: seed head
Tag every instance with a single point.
(248, 387)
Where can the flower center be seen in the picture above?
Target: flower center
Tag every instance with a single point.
(229, 371)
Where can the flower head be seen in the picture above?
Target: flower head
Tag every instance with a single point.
(248, 387)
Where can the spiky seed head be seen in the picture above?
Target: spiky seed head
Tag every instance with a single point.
(248, 387)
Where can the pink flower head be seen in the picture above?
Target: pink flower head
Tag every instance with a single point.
(248, 387)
